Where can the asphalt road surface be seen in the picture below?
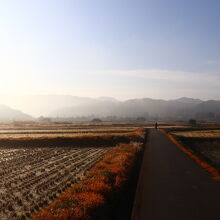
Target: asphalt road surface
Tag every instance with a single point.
(172, 186)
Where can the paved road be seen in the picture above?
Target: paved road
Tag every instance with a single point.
(172, 186)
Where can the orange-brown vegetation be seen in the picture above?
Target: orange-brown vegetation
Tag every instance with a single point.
(87, 199)
(198, 133)
(212, 170)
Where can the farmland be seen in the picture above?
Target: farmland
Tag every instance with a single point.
(19, 130)
(100, 190)
(203, 141)
(199, 133)
(38, 162)
(37, 176)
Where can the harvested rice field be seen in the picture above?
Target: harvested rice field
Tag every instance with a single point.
(40, 161)
(204, 142)
(31, 178)
(198, 134)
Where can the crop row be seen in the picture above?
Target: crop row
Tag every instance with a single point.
(32, 178)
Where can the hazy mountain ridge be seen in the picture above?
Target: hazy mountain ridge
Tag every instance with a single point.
(188, 100)
(9, 114)
(182, 108)
(67, 106)
(37, 105)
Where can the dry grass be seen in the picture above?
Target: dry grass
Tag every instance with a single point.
(196, 156)
(39, 134)
(37, 130)
(63, 125)
(203, 144)
(198, 134)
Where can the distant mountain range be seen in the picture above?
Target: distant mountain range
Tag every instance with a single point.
(182, 108)
(66, 106)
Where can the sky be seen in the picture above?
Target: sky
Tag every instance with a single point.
(120, 48)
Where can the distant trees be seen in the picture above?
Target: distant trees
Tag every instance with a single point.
(206, 115)
(192, 121)
(96, 120)
(44, 119)
(140, 119)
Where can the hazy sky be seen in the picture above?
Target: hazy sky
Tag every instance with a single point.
(121, 48)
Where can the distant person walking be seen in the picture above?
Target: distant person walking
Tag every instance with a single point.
(156, 125)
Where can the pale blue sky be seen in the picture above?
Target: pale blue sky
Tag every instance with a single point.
(121, 48)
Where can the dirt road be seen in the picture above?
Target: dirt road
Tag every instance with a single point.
(172, 186)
